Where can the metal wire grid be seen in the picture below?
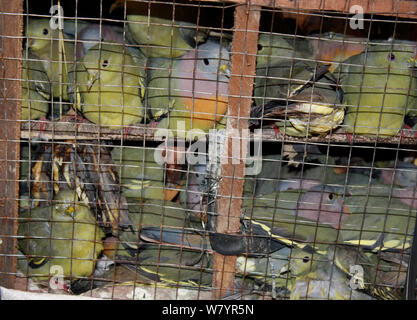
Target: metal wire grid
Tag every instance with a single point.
(265, 287)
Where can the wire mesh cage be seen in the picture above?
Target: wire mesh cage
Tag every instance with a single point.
(196, 150)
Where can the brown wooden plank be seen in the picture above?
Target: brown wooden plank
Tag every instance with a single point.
(11, 26)
(83, 131)
(404, 138)
(90, 131)
(244, 48)
(402, 8)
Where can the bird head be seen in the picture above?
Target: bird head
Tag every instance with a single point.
(412, 62)
(397, 55)
(274, 49)
(324, 203)
(213, 59)
(39, 34)
(225, 69)
(65, 202)
(301, 262)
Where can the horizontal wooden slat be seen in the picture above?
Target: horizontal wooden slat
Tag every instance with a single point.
(87, 131)
(83, 131)
(402, 8)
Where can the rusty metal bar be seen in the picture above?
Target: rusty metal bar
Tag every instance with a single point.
(11, 26)
(244, 48)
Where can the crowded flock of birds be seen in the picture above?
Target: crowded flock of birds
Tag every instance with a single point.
(325, 227)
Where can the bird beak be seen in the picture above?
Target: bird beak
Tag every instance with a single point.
(224, 68)
(92, 78)
(412, 62)
(284, 269)
(71, 211)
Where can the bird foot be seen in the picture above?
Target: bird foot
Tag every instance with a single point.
(277, 131)
(126, 131)
(407, 127)
(153, 126)
(74, 118)
(349, 136)
(43, 124)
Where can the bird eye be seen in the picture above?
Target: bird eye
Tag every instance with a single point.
(206, 61)
(391, 57)
(260, 47)
(306, 259)
(330, 196)
(45, 32)
(105, 63)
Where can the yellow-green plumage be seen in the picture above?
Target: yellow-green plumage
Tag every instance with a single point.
(160, 39)
(141, 176)
(380, 88)
(36, 89)
(56, 52)
(111, 86)
(65, 235)
(161, 29)
(377, 221)
(314, 277)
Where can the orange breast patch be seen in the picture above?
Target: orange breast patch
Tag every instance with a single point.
(205, 110)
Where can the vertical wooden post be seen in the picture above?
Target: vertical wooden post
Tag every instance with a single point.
(229, 203)
(11, 30)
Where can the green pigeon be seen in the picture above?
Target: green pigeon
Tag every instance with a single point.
(56, 51)
(404, 174)
(304, 96)
(290, 86)
(161, 222)
(161, 30)
(164, 243)
(192, 97)
(359, 216)
(64, 236)
(379, 87)
(369, 272)
(377, 221)
(298, 217)
(173, 265)
(110, 86)
(141, 176)
(277, 175)
(276, 54)
(314, 277)
(36, 88)
(266, 270)
(333, 48)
